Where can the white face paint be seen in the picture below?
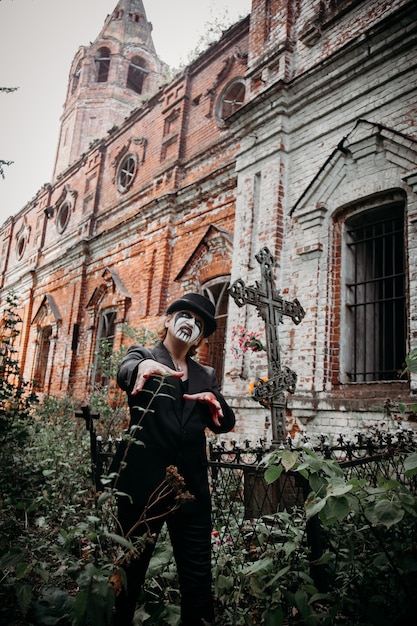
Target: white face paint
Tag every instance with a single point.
(187, 326)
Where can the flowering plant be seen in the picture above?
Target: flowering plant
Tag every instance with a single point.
(252, 386)
(244, 340)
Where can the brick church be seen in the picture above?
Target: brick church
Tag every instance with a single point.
(295, 131)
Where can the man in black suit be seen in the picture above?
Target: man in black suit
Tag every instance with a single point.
(184, 402)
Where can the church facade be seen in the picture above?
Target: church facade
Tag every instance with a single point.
(296, 131)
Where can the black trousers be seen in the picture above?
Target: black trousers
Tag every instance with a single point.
(190, 534)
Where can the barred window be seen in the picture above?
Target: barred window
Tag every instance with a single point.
(375, 294)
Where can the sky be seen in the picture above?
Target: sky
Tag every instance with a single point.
(38, 41)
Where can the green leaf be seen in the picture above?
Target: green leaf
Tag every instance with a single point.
(301, 602)
(289, 459)
(22, 569)
(52, 608)
(224, 582)
(384, 512)
(80, 606)
(11, 559)
(410, 464)
(260, 566)
(120, 540)
(338, 489)
(314, 506)
(274, 617)
(411, 362)
(24, 596)
(282, 572)
(272, 473)
(48, 472)
(106, 495)
(317, 483)
(336, 509)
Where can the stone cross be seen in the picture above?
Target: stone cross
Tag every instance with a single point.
(271, 308)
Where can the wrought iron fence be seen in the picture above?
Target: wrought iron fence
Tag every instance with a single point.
(247, 510)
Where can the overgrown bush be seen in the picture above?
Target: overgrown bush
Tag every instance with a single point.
(16, 397)
(107, 399)
(60, 545)
(369, 532)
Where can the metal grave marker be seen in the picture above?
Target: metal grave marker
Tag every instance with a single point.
(271, 308)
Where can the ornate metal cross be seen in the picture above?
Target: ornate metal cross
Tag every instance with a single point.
(272, 308)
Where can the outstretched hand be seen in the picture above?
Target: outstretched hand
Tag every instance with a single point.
(209, 398)
(148, 368)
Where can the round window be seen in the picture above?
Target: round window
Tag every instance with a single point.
(21, 245)
(126, 173)
(63, 217)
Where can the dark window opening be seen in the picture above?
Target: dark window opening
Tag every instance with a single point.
(136, 74)
(103, 65)
(42, 356)
(232, 99)
(376, 294)
(104, 348)
(219, 295)
(76, 79)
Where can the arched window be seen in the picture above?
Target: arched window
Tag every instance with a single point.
(102, 60)
(22, 238)
(136, 74)
(104, 347)
(76, 79)
(42, 356)
(217, 292)
(231, 99)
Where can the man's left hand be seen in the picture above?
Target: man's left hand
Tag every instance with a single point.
(208, 398)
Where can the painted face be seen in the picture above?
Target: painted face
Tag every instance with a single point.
(187, 326)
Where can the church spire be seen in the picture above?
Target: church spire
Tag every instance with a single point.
(108, 80)
(129, 24)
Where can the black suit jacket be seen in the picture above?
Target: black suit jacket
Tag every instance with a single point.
(171, 431)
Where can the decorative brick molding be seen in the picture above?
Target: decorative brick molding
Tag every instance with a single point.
(211, 257)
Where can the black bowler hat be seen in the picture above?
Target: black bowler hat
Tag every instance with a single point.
(198, 304)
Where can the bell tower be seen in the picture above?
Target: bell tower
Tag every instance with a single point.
(107, 80)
